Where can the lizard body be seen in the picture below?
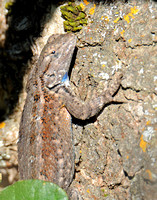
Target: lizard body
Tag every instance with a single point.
(45, 147)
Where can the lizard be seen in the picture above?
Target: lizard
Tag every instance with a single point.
(45, 146)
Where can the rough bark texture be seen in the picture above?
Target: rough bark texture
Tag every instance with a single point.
(116, 152)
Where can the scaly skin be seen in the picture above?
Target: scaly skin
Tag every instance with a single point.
(45, 144)
(45, 141)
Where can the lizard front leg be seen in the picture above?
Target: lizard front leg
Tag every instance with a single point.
(85, 110)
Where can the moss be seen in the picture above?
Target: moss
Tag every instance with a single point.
(75, 17)
(8, 6)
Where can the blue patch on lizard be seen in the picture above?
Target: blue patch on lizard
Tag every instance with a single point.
(65, 79)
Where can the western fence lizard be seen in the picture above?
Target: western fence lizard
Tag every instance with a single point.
(45, 147)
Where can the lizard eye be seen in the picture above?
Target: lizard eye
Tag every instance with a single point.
(53, 52)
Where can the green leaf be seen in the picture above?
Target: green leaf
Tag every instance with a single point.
(33, 190)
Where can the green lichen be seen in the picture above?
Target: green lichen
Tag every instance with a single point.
(8, 6)
(75, 17)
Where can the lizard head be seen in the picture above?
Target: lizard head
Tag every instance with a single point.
(55, 59)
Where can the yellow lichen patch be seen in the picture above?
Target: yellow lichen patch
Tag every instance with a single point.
(122, 32)
(85, 2)
(2, 125)
(127, 157)
(126, 18)
(149, 173)
(116, 20)
(148, 122)
(129, 40)
(82, 6)
(133, 10)
(143, 144)
(106, 19)
(131, 15)
(92, 10)
(103, 65)
(88, 191)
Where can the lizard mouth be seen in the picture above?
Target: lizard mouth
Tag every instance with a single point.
(54, 86)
